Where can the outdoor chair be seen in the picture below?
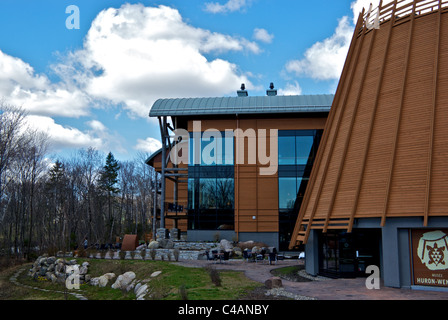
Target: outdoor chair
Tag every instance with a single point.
(217, 256)
(208, 255)
(248, 256)
(272, 258)
(226, 255)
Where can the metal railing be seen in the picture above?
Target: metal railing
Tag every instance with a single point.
(401, 10)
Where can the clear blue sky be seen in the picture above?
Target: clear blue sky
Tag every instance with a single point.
(94, 86)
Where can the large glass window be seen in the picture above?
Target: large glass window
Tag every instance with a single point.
(191, 194)
(210, 203)
(211, 182)
(211, 149)
(287, 192)
(207, 194)
(304, 149)
(286, 150)
(225, 193)
(289, 189)
(296, 153)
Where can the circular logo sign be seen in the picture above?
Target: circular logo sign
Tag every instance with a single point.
(433, 250)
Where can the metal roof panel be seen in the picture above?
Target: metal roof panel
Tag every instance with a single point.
(242, 105)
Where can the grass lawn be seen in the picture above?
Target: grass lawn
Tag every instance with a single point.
(196, 283)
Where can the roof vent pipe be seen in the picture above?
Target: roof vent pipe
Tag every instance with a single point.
(243, 91)
(271, 91)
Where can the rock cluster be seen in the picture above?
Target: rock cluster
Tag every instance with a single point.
(125, 282)
(55, 269)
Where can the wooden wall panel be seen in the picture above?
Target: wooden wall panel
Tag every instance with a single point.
(391, 163)
(439, 177)
(247, 198)
(374, 184)
(358, 123)
(410, 169)
(267, 193)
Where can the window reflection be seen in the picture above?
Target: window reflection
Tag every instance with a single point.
(296, 155)
(211, 200)
(191, 194)
(287, 189)
(215, 148)
(286, 150)
(207, 193)
(225, 193)
(304, 149)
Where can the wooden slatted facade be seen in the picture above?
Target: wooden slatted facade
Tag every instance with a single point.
(385, 144)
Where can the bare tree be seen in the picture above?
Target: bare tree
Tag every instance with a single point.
(54, 206)
(11, 122)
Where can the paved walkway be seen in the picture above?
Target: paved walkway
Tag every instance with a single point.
(331, 289)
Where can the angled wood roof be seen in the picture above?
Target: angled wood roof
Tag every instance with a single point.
(385, 147)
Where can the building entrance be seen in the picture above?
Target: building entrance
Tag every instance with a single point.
(347, 255)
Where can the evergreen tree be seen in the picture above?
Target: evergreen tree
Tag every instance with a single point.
(109, 175)
(108, 183)
(57, 195)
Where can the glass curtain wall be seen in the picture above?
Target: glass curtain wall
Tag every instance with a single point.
(211, 183)
(296, 153)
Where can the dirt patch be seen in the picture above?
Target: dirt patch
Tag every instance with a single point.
(259, 293)
(290, 273)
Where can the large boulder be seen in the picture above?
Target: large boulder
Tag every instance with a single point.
(274, 282)
(102, 281)
(155, 274)
(124, 280)
(226, 245)
(256, 249)
(153, 245)
(237, 251)
(83, 270)
(166, 244)
(140, 291)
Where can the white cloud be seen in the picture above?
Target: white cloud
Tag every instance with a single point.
(21, 86)
(229, 6)
(263, 35)
(62, 136)
(291, 89)
(97, 125)
(149, 145)
(67, 137)
(135, 54)
(325, 60)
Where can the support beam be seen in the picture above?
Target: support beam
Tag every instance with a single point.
(162, 124)
(154, 219)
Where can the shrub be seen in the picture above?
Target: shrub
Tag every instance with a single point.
(176, 254)
(153, 253)
(82, 253)
(214, 275)
(183, 292)
(158, 290)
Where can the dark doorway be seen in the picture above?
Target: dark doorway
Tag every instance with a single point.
(347, 255)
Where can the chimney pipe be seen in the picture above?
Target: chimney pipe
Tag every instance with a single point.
(243, 91)
(271, 91)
